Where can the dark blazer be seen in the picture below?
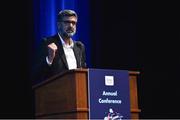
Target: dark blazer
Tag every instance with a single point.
(59, 64)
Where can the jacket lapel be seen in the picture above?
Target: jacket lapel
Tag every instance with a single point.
(61, 51)
(77, 54)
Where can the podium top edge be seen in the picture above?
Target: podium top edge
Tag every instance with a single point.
(84, 70)
(134, 72)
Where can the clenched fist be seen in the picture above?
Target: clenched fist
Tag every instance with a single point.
(52, 48)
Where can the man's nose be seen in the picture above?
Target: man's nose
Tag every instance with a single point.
(71, 24)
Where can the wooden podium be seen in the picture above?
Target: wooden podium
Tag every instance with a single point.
(65, 96)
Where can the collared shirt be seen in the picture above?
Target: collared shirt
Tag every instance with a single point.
(69, 53)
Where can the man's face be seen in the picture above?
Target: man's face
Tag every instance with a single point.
(67, 27)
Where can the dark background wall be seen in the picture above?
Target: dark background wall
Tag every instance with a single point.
(142, 36)
(15, 86)
(132, 35)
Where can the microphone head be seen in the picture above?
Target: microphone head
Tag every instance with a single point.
(79, 44)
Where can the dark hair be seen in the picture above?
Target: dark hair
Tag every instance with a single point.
(64, 13)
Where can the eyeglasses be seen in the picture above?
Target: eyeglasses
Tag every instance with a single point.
(69, 22)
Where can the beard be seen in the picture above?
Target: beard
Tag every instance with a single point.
(69, 33)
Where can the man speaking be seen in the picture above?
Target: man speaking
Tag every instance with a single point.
(60, 52)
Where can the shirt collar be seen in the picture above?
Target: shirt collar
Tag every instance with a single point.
(65, 45)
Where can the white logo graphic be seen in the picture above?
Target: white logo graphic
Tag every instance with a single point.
(109, 80)
(113, 115)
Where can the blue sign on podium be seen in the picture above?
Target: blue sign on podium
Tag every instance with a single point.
(109, 96)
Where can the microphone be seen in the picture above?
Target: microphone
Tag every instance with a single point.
(79, 44)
